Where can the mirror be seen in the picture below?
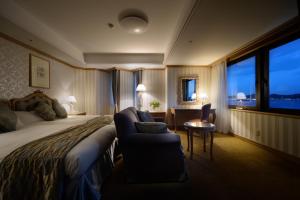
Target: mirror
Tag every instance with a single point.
(187, 90)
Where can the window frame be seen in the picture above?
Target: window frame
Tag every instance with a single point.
(266, 96)
(256, 55)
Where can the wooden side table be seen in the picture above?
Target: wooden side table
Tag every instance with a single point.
(202, 128)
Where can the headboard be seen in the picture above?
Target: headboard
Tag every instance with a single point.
(29, 102)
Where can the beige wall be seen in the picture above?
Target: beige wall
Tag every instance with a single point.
(155, 82)
(92, 88)
(173, 73)
(14, 73)
(275, 131)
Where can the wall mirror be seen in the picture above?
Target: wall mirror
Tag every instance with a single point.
(187, 91)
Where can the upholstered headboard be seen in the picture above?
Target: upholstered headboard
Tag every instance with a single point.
(29, 102)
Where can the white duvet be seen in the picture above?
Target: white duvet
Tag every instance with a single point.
(79, 158)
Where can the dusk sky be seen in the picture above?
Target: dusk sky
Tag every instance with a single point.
(241, 77)
(284, 72)
(285, 69)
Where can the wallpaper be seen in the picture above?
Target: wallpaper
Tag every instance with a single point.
(155, 83)
(173, 73)
(277, 132)
(14, 74)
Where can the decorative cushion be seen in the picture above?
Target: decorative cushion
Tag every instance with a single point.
(26, 118)
(151, 127)
(145, 116)
(8, 119)
(45, 111)
(59, 109)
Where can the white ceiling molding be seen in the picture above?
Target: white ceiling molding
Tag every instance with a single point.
(22, 18)
(124, 58)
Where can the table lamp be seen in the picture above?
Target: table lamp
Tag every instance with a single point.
(140, 89)
(71, 100)
(203, 97)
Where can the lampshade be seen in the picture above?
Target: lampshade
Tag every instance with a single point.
(71, 99)
(241, 96)
(203, 96)
(194, 96)
(140, 88)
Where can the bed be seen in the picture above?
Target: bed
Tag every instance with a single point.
(86, 165)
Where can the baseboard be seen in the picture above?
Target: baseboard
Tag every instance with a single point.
(281, 154)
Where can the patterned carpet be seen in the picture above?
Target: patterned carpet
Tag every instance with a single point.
(240, 170)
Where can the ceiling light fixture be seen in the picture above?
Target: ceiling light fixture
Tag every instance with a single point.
(134, 24)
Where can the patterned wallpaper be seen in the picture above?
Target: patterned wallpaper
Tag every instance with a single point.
(14, 73)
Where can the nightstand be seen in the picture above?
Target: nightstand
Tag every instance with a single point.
(77, 113)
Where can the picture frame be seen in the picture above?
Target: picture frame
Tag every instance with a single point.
(39, 72)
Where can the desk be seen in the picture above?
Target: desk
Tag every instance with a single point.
(202, 128)
(182, 115)
(158, 116)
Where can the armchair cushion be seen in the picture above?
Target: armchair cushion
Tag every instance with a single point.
(145, 116)
(151, 127)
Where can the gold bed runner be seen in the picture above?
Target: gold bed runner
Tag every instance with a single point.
(36, 171)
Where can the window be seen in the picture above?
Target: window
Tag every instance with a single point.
(241, 87)
(284, 76)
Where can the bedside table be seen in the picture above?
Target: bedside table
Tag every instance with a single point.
(77, 113)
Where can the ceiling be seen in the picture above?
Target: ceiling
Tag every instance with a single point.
(218, 27)
(188, 32)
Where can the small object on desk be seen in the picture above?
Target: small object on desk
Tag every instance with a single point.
(77, 113)
(202, 128)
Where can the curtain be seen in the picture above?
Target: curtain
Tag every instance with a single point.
(219, 96)
(127, 89)
(116, 89)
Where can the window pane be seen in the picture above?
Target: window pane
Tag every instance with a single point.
(241, 83)
(284, 77)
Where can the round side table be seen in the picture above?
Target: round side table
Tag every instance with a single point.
(202, 128)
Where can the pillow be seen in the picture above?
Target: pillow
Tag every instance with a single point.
(59, 109)
(8, 119)
(45, 111)
(26, 118)
(145, 116)
(151, 127)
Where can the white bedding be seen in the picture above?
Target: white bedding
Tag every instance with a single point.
(79, 158)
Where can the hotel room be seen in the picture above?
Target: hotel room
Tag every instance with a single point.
(140, 99)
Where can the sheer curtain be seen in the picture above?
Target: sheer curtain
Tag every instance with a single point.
(116, 89)
(219, 96)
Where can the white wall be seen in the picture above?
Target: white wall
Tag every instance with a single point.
(154, 80)
(173, 73)
(275, 131)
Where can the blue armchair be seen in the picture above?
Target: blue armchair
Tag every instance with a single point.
(148, 157)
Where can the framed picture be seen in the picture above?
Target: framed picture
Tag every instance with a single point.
(39, 72)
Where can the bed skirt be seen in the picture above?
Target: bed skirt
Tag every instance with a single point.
(88, 185)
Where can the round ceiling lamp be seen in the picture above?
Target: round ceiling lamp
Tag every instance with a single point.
(134, 24)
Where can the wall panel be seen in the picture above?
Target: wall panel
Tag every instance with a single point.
(275, 131)
(154, 80)
(173, 73)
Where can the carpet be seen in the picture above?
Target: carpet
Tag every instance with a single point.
(240, 170)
